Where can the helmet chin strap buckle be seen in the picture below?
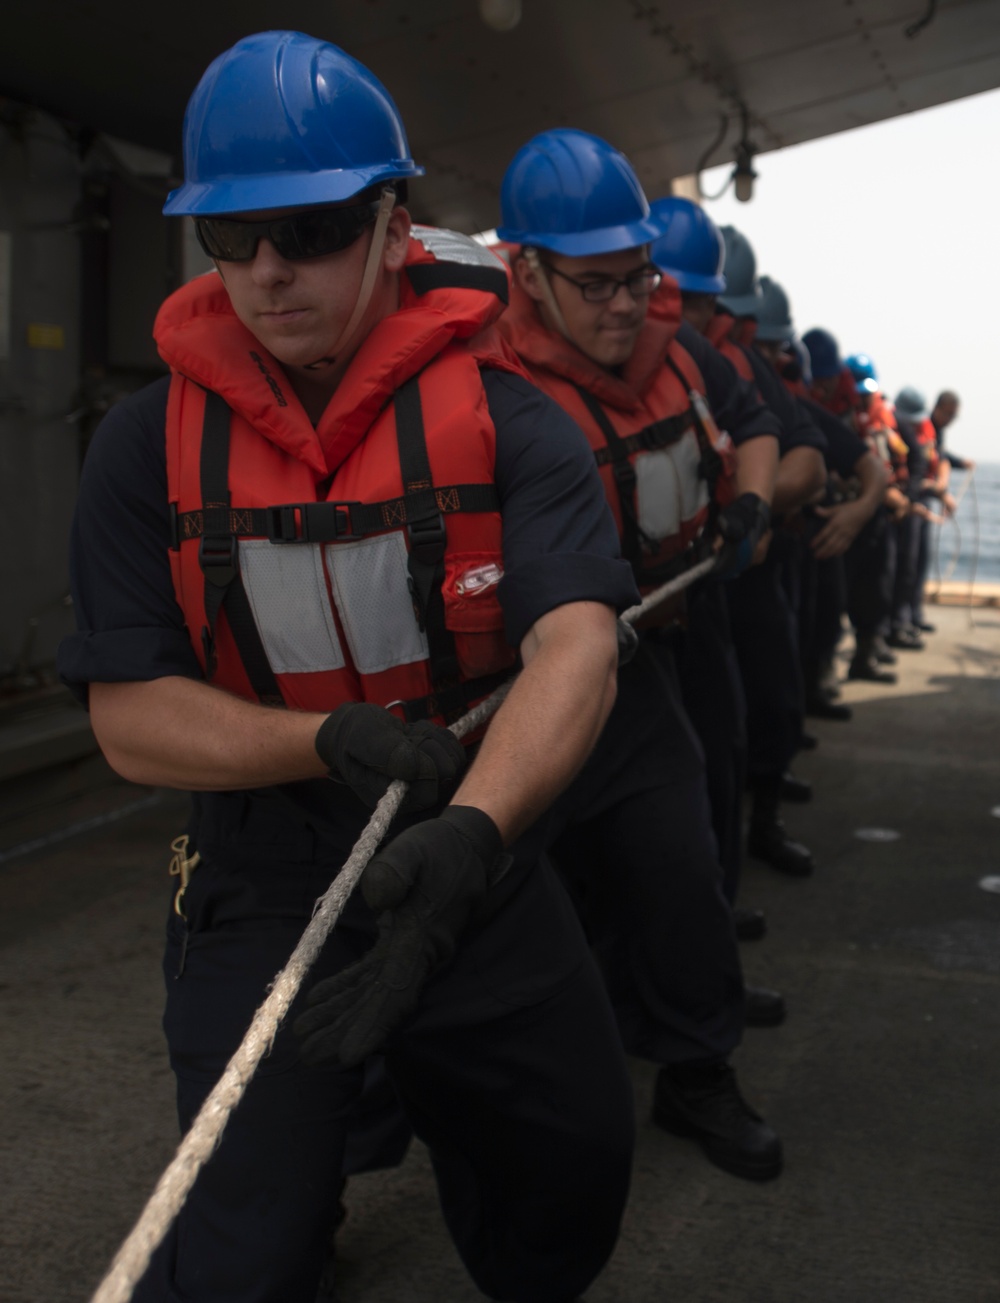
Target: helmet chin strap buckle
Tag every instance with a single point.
(372, 265)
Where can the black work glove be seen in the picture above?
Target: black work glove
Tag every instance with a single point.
(741, 526)
(424, 886)
(368, 747)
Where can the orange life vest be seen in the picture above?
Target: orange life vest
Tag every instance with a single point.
(927, 438)
(877, 426)
(721, 335)
(664, 464)
(845, 399)
(357, 560)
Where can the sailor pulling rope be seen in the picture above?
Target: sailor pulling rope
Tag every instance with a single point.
(198, 1144)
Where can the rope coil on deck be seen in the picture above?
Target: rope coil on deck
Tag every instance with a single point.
(197, 1146)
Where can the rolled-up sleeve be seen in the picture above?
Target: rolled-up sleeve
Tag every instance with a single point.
(129, 625)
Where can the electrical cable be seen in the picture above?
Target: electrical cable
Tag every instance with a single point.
(703, 161)
(916, 28)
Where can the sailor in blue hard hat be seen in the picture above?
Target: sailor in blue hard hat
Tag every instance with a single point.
(742, 293)
(595, 324)
(693, 252)
(569, 196)
(862, 368)
(930, 502)
(273, 552)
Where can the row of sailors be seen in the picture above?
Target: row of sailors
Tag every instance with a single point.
(633, 316)
(651, 331)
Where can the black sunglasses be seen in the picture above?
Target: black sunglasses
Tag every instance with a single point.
(306, 234)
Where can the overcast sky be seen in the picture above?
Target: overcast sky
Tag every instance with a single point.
(888, 236)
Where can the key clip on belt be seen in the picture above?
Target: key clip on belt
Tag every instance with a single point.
(182, 866)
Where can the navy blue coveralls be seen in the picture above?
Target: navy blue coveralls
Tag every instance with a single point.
(633, 835)
(764, 624)
(511, 1070)
(837, 584)
(911, 535)
(706, 654)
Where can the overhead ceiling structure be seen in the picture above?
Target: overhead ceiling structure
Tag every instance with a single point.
(659, 80)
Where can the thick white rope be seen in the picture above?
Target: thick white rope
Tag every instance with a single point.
(196, 1148)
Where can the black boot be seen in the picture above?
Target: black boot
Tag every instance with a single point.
(882, 652)
(795, 789)
(905, 638)
(763, 1008)
(865, 664)
(703, 1101)
(767, 839)
(750, 924)
(823, 708)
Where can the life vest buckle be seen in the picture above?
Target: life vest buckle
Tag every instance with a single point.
(427, 539)
(311, 522)
(218, 558)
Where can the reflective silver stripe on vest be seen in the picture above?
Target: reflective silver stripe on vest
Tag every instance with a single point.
(668, 488)
(288, 594)
(291, 606)
(369, 580)
(451, 246)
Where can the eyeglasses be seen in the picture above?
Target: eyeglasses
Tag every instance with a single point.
(640, 284)
(306, 234)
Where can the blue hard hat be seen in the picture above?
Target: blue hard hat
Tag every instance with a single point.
(862, 368)
(742, 296)
(575, 194)
(691, 249)
(774, 313)
(911, 405)
(824, 353)
(283, 120)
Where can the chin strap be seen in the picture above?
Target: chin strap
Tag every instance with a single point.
(372, 267)
(555, 312)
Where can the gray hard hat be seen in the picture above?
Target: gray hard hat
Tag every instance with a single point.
(911, 405)
(774, 315)
(742, 296)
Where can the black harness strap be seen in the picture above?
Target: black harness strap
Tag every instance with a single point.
(624, 473)
(427, 537)
(219, 525)
(660, 434)
(336, 522)
(218, 556)
(426, 276)
(710, 467)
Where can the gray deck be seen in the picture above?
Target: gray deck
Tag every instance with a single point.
(884, 1082)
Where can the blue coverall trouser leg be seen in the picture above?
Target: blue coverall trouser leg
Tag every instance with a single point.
(766, 639)
(713, 696)
(637, 846)
(511, 1071)
(908, 533)
(869, 576)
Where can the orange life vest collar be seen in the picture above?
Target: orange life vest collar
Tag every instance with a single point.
(199, 335)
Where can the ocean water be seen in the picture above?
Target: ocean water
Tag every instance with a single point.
(969, 544)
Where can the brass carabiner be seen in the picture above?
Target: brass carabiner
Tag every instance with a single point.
(182, 866)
